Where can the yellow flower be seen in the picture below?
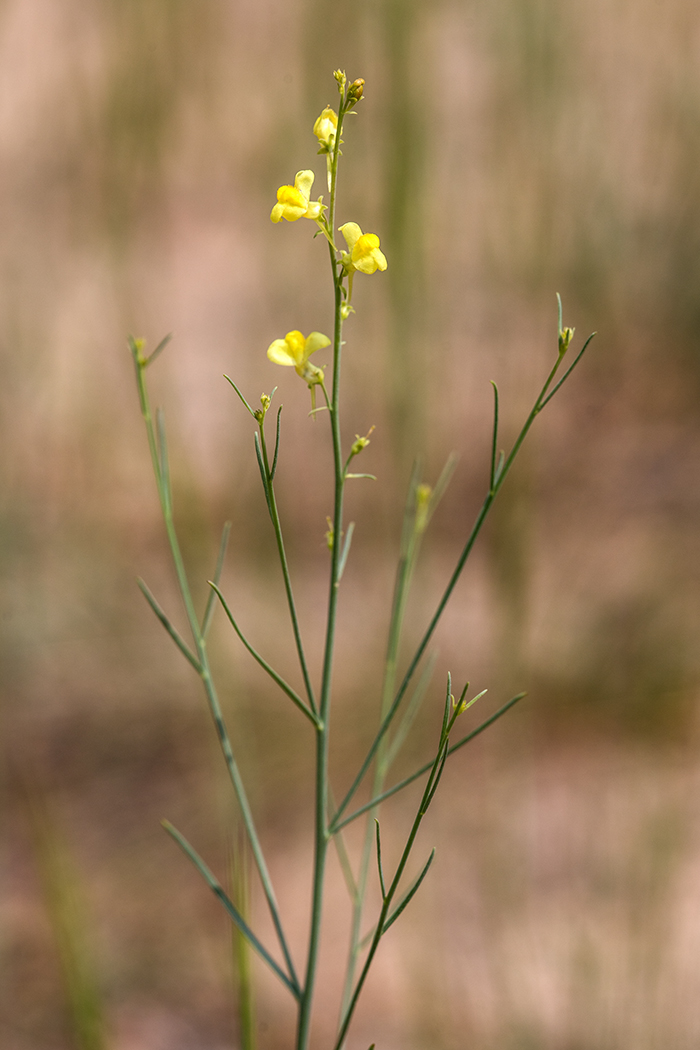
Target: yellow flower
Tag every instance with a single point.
(363, 250)
(295, 350)
(293, 202)
(325, 129)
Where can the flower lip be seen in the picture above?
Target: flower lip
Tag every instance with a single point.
(364, 252)
(295, 350)
(293, 202)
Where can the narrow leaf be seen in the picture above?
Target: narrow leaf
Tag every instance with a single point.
(336, 827)
(159, 349)
(228, 904)
(406, 899)
(569, 370)
(277, 441)
(494, 444)
(379, 861)
(284, 686)
(229, 380)
(448, 698)
(263, 474)
(174, 634)
(211, 597)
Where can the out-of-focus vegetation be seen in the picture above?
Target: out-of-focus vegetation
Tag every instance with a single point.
(525, 147)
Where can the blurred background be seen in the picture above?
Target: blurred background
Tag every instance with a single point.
(505, 151)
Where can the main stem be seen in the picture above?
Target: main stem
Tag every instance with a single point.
(321, 833)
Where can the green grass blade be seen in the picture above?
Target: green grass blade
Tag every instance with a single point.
(441, 485)
(411, 712)
(239, 867)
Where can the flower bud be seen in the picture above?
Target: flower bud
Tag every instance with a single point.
(325, 129)
(565, 337)
(355, 91)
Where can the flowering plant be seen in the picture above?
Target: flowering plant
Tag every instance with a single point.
(314, 699)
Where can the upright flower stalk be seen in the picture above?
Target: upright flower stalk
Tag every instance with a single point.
(321, 831)
(363, 255)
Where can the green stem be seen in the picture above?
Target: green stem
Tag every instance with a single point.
(321, 835)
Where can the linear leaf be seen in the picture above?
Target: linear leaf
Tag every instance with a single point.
(284, 686)
(230, 907)
(159, 349)
(277, 442)
(229, 380)
(406, 899)
(211, 597)
(174, 634)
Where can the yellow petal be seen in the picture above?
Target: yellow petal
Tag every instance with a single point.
(325, 127)
(303, 181)
(278, 352)
(315, 341)
(366, 256)
(291, 204)
(296, 346)
(351, 232)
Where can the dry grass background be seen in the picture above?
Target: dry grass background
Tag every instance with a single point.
(505, 151)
